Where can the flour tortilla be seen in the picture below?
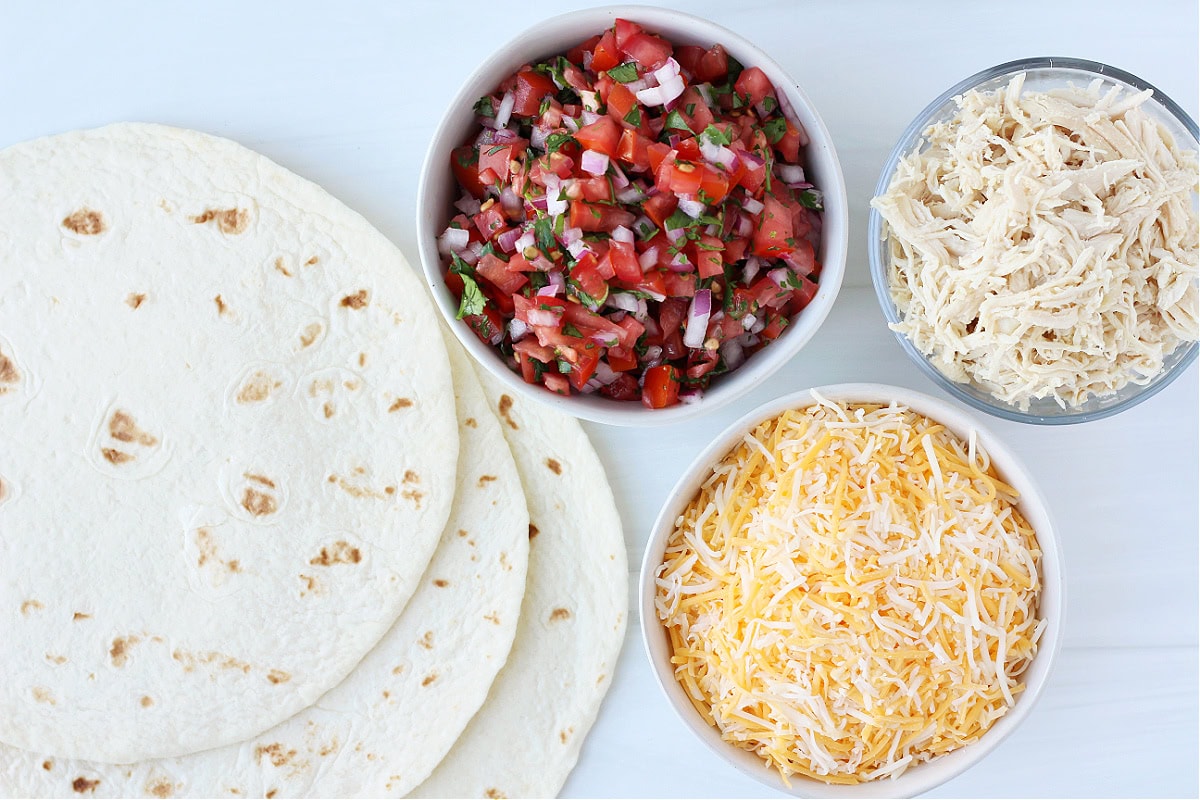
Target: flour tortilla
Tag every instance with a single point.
(526, 738)
(226, 449)
(383, 730)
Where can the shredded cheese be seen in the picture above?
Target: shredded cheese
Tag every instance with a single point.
(1044, 244)
(851, 592)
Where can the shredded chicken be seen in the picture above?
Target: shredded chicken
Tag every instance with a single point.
(1044, 244)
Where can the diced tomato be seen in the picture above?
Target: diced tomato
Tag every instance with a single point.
(604, 86)
(660, 207)
(530, 89)
(625, 387)
(588, 280)
(622, 30)
(661, 387)
(621, 360)
(688, 149)
(789, 145)
(592, 324)
(595, 217)
(529, 347)
(681, 284)
(621, 104)
(714, 65)
(708, 256)
(633, 331)
(525, 364)
(495, 271)
(601, 136)
(647, 49)
(624, 261)
(680, 177)
(488, 326)
(656, 153)
(605, 53)
(776, 323)
(556, 383)
(584, 366)
(546, 312)
(496, 157)
(694, 110)
(596, 189)
(464, 163)
(713, 184)
(735, 251)
(754, 85)
(633, 149)
(701, 362)
(517, 262)
(575, 54)
(773, 229)
(490, 221)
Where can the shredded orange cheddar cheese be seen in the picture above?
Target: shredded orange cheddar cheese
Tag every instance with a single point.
(852, 591)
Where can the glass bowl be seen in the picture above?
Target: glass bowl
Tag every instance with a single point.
(1042, 74)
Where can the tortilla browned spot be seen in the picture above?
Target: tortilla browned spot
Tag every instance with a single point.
(82, 784)
(135, 300)
(259, 503)
(85, 222)
(230, 220)
(340, 553)
(559, 613)
(554, 466)
(504, 406)
(355, 301)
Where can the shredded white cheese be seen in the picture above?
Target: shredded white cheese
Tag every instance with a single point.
(1044, 244)
(851, 592)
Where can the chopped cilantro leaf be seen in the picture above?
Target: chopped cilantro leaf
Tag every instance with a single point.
(675, 121)
(460, 267)
(716, 135)
(678, 219)
(571, 330)
(473, 301)
(769, 104)
(624, 73)
(775, 129)
(811, 198)
(563, 366)
(484, 107)
(556, 140)
(468, 157)
(543, 232)
(634, 117)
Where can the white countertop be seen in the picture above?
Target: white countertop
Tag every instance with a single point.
(349, 98)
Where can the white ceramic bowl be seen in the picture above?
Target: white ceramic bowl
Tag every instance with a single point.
(1041, 75)
(922, 777)
(437, 192)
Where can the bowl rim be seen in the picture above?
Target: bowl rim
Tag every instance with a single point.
(912, 133)
(923, 777)
(835, 231)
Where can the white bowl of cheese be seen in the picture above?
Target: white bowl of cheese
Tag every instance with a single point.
(854, 591)
(1033, 240)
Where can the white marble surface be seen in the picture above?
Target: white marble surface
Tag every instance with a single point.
(348, 94)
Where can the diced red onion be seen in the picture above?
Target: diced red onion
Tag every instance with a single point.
(780, 275)
(578, 248)
(591, 101)
(509, 200)
(588, 116)
(570, 235)
(542, 264)
(649, 258)
(604, 338)
(508, 239)
(712, 230)
(753, 159)
(619, 179)
(517, 329)
(524, 241)
(662, 94)
(669, 70)
(680, 263)
(554, 206)
(745, 225)
(504, 113)
(639, 84)
(690, 395)
(790, 173)
(653, 356)
(705, 90)
(749, 321)
(718, 154)
(752, 206)
(622, 234)
(697, 324)
(549, 290)
(453, 240)
(750, 271)
(593, 162)
(570, 123)
(622, 300)
(643, 223)
(674, 234)
(485, 137)
(732, 353)
(691, 206)
(539, 203)
(505, 136)
(471, 252)
(604, 374)
(803, 133)
(537, 138)
(630, 194)
(557, 281)
(467, 205)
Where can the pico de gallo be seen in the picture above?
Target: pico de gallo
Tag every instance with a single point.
(635, 219)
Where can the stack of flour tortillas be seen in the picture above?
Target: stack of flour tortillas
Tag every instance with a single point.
(264, 530)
